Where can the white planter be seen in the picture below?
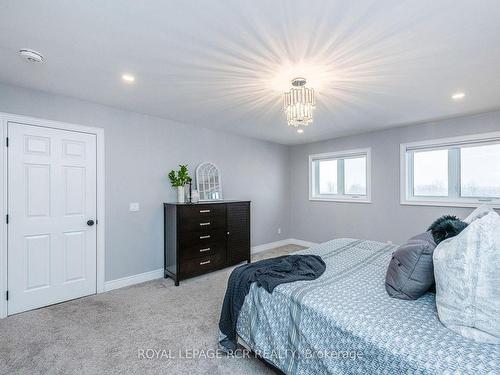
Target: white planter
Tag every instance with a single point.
(181, 196)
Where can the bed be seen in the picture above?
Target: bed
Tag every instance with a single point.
(345, 323)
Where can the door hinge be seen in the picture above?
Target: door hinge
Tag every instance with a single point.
(7, 141)
(7, 295)
(7, 218)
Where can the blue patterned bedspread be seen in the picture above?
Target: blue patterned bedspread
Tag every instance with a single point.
(345, 323)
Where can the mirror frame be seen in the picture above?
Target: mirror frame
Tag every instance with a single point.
(198, 169)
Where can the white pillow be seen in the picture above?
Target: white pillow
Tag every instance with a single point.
(467, 273)
(478, 213)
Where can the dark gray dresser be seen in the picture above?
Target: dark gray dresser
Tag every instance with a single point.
(204, 237)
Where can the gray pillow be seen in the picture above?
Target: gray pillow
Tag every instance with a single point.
(411, 272)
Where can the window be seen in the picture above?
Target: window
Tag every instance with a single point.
(340, 176)
(430, 173)
(462, 171)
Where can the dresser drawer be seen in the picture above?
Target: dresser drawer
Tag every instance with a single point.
(203, 250)
(201, 238)
(201, 223)
(199, 266)
(202, 211)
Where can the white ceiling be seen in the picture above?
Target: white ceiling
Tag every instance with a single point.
(225, 64)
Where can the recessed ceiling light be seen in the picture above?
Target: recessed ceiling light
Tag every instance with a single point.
(300, 131)
(458, 95)
(129, 78)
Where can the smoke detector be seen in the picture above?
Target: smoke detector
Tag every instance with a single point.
(31, 56)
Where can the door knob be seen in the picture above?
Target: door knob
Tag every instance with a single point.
(90, 222)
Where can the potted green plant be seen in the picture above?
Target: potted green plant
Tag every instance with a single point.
(179, 179)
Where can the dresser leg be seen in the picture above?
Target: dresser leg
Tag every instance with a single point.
(173, 276)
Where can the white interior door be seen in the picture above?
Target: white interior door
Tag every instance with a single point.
(51, 198)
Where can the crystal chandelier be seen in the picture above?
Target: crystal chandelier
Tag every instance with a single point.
(299, 103)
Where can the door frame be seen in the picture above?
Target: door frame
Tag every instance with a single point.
(100, 198)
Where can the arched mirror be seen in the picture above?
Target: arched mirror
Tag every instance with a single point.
(208, 182)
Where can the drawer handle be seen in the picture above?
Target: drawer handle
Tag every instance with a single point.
(203, 250)
(205, 262)
(204, 224)
(203, 237)
(204, 211)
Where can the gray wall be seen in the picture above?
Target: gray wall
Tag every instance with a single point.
(140, 150)
(384, 219)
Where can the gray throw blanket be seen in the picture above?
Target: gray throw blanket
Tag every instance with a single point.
(268, 274)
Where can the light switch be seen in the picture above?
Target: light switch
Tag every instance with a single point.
(133, 207)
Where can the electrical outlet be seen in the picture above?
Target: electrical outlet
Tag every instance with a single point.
(132, 207)
(279, 230)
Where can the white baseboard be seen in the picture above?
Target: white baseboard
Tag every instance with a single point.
(157, 274)
(134, 279)
(308, 244)
(288, 241)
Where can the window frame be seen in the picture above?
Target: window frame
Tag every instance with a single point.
(354, 198)
(453, 200)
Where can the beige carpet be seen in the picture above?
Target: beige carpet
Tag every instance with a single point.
(105, 333)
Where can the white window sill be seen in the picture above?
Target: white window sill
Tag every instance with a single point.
(320, 199)
(470, 204)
